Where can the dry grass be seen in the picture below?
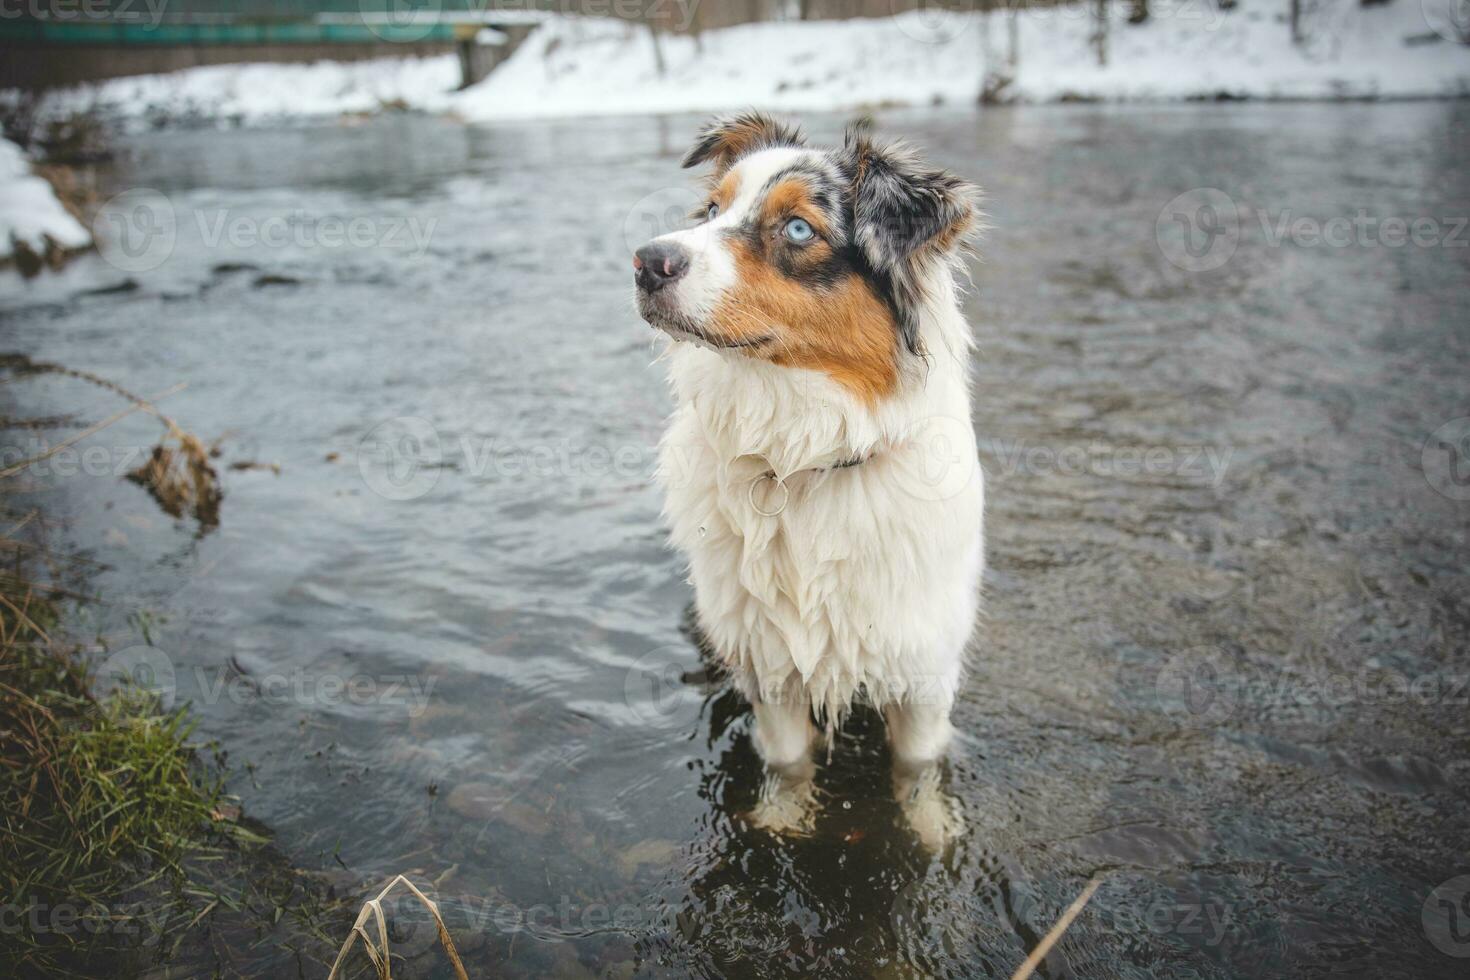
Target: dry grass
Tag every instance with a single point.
(377, 949)
(177, 474)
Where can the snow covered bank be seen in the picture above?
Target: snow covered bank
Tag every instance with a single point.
(29, 210)
(1187, 49)
(573, 66)
(257, 93)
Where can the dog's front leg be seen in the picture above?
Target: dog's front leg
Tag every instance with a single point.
(919, 733)
(784, 738)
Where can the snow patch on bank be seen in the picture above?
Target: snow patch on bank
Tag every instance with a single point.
(30, 212)
(256, 93)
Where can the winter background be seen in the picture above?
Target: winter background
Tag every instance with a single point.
(960, 54)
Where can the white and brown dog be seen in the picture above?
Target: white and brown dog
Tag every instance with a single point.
(820, 468)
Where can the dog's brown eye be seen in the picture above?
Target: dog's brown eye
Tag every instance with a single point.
(709, 215)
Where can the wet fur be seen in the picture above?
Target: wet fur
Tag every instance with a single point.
(799, 358)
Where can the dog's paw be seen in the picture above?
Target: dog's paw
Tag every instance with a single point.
(785, 808)
(935, 817)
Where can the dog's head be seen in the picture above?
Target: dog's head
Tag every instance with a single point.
(807, 257)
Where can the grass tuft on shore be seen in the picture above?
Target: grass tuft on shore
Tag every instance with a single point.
(98, 797)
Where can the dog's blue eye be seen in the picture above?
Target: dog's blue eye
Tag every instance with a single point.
(799, 231)
(709, 215)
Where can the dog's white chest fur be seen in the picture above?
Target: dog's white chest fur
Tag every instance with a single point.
(868, 577)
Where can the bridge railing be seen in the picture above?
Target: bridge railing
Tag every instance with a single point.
(209, 22)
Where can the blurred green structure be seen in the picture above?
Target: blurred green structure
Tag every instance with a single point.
(57, 42)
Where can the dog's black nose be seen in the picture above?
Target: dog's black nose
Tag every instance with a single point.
(657, 264)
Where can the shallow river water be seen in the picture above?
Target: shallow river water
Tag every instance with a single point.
(1223, 666)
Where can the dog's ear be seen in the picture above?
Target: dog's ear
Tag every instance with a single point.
(726, 139)
(905, 217)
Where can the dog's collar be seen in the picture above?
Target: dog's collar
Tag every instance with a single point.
(841, 464)
(780, 481)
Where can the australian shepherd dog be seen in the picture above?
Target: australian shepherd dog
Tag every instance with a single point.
(820, 469)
